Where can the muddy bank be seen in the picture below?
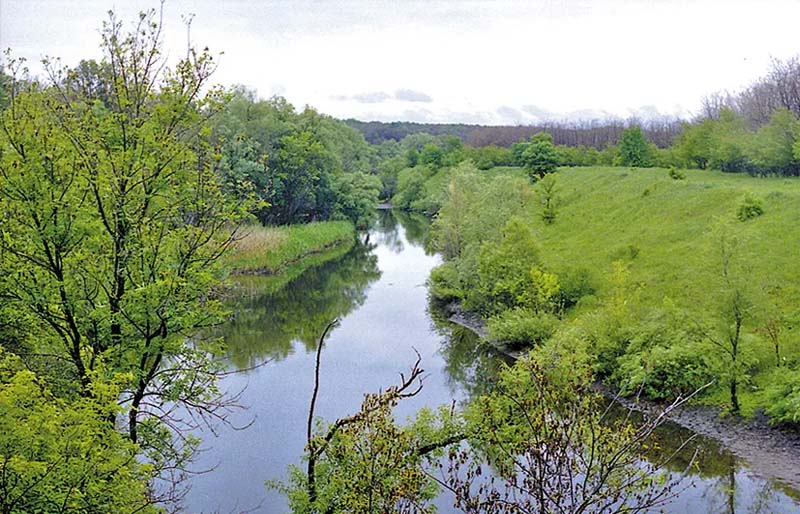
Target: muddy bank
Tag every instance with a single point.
(771, 452)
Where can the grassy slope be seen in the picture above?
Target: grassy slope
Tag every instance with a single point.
(270, 250)
(604, 211)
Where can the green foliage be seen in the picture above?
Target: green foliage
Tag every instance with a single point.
(694, 144)
(574, 284)
(504, 269)
(300, 166)
(488, 157)
(664, 363)
(577, 155)
(62, 455)
(676, 174)
(521, 327)
(728, 143)
(783, 397)
(751, 207)
(114, 224)
(444, 283)
(431, 156)
(549, 200)
(369, 463)
(634, 149)
(539, 156)
(541, 402)
(771, 149)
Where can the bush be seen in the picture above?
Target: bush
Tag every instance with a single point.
(783, 397)
(520, 328)
(676, 174)
(751, 207)
(574, 284)
(664, 372)
(444, 284)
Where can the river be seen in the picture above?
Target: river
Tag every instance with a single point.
(377, 290)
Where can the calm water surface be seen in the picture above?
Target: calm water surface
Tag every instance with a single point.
(377, 289)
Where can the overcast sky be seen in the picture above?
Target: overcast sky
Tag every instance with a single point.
(448, 61)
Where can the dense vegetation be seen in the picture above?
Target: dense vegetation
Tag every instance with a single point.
(129, 189)
(702, 294)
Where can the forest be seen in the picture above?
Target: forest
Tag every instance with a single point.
(656, 258)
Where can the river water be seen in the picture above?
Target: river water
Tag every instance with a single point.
(377, 290)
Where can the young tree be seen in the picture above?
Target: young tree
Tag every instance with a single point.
(113, 227)
(735, 309)
(540, 157)
(634, 150)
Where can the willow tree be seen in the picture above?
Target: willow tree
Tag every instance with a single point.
(113, 225)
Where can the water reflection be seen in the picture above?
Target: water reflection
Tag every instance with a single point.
(269, 319)
(394, 226)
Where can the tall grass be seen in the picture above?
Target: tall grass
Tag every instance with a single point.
(268, 250)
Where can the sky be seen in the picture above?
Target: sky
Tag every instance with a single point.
(486, 62)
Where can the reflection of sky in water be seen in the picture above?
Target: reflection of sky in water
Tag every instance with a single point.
(372, 345)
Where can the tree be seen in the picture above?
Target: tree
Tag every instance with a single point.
(539, 157)
(366, 462)
(60, 456)
(549, 200)
(771, 148)
(694, 144)
(634, 149)
(734, 310)
(541, 442)
(113, 227)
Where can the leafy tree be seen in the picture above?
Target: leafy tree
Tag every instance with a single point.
(634, 149)
(549, 199)
(541, 442)
(771, 148)
(694, 143)
(431, 156)
(61, 456)
(734, 310)
(113, 227)
(292, 162)
(539, 157)
(728, 143)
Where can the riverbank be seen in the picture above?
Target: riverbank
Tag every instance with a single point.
(270, 250)
(771, 452)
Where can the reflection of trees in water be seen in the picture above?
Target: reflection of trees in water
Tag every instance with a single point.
(266, 325)
(387, 229)
(470, 367)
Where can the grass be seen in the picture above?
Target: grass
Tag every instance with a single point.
(270, 250)
(668, 231)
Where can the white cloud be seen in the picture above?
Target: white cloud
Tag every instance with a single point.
(462, 58)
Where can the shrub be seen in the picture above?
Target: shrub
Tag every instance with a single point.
(444, 283)
(676, 174)
(664, 372)
(751, 207)
(783, 397)
(520, 328)
(575, 284)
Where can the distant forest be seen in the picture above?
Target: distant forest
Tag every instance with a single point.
(595, 133)
(778, 90)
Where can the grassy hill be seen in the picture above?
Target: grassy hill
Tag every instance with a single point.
(667, 319)
(669, 230)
